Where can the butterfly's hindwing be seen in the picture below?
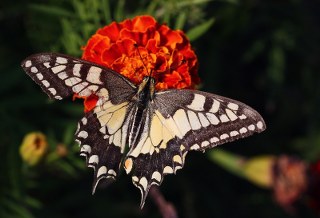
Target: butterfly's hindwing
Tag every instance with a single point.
(61, 76)
(103, 155)
(156, 154)
(148, 169)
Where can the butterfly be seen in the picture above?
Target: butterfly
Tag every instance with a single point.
(146, 131)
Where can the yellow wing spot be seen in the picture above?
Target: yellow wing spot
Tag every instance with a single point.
(146, 146)
(167, 133)
(213, 118)
(102, 170)
(194, 121)
(117, 138)
(197, 102)
(182, 147)
(144, 183)
(181, 120)
(204, 121)
(93, 75)
(168, 170)
(135, 179)
(104, 118)
(104, 93)
(116, 120)
(169, 123)
(215, 106)
(231, 115)
(243, 117)
(260, 125)
(166, 137)
(233, 106)
(205, 144)
(156, 130)
(157, 176)
(112, 172)
(177, 159)
(194, 147)
(224, 118)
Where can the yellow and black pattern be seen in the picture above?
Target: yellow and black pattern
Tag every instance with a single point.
(159, 128)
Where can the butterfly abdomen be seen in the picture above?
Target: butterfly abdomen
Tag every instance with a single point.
(140, 107)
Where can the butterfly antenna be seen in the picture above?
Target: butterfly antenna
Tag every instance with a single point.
(136, 46)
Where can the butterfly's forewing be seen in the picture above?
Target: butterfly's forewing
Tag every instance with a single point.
(184, 120)
(61, 76)
(100, 133)
(204, 120)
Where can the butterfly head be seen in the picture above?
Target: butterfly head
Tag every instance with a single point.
(146, 88)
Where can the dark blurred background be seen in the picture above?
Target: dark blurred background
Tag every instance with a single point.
(263, 53)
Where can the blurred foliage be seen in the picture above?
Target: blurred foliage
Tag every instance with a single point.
(81, 19)
(264, 53)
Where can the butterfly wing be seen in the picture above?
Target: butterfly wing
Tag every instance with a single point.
(204, 120)
(61, 76)
(100, 133)
(184, 120)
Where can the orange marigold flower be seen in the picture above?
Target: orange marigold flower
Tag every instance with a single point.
(33, 148)
(138, 46)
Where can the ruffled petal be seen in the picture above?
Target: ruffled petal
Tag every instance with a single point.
(142, 23)
(112, 31)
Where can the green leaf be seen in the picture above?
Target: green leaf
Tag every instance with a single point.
(69, 134)
(66, 168)
(32, 202)
(198, 31)
(105, 5)
(80, 10)
(181, 20)
(152, 7)
(52, 10)
(16, 208)
(191, 3)
(119, 12)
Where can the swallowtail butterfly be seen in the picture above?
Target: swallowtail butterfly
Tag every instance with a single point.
(159, 127)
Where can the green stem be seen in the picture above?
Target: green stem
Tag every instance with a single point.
(230, 162)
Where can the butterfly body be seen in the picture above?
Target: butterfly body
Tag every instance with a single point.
(159, 127)
(139, 107)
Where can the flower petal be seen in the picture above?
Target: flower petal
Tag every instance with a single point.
(142, 23)
(112, 31)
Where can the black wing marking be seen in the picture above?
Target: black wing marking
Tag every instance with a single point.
(184, 120)
(61, 76)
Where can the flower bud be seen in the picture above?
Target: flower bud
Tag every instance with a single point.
(33, 148)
